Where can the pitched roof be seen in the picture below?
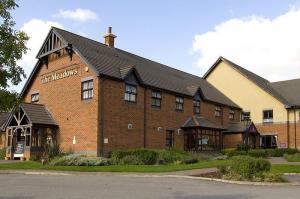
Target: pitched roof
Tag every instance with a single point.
(259, 81)
(290, 89)
(38, 114)
(240, 127)
(3, 118)
(201, 122)
(114, 62)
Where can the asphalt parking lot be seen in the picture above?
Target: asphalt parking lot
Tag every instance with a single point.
(17, 186)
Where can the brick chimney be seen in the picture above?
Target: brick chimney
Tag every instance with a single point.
(109, 38)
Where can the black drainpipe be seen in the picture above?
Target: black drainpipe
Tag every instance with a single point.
(295, 126)
(288, 128)
(102, 115)
(145, 118)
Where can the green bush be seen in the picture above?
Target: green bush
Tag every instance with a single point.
(280, 152)
(2, 153)
(173, 155)
(248, 167)
(236, 153)
(77, 160)
(35, 158)
(258, 153)
(242, 147)
(140, 156)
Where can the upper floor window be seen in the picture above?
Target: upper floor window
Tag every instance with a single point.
(35, 98)
(87, 89)
(218, 111)
(196, 104)
(130, 93)
(231, 114)
(156, 98)
(245, 116)
(268, 116)
(179, 103)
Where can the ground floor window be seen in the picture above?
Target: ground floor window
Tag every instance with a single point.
(202, 140)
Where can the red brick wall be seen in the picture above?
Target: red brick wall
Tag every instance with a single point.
(63, 99)
(80, 118)
(118, 114)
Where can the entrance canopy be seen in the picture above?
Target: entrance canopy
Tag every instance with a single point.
(200, 123)
(29, 128)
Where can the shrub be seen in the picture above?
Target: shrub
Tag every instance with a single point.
(140, 156)
(236, 153)
(35, 158)
(173, 155)
(248, 167)
(77, 160)
(258, 153)
(2, 153)
(242, 147)
(51, 151)
(280, 152)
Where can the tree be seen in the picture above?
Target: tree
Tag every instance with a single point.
(12, 47)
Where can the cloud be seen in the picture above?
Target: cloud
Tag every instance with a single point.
(37, 30)
(268, 47)
(80, 15)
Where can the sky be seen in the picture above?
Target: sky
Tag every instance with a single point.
(260, 35)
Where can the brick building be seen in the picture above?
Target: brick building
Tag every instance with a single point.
(92, 98)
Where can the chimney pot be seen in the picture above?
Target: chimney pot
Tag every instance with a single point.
(109, 38)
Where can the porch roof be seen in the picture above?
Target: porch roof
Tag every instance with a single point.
(3, 118)
(38, 114)
(200, 122)
(240, 127)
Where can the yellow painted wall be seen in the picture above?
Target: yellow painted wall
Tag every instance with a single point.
(246, 94)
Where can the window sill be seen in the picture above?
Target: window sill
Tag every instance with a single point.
(178, 110)
(130, 102)
(156, 107)
(86, 101)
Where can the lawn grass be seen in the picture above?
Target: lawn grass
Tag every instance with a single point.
(283, 168)
(113, 168)
(292, 158)
(30, 165)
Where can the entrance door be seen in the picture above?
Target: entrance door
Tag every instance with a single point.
(169, 138)
(18, 144)
(268, 141)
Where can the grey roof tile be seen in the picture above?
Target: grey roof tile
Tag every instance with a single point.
(3, 118)
(200, 122)
(115, 62)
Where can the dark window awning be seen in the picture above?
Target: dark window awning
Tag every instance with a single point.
(200, 123)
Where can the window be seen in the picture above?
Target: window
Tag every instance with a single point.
(196, 106)
(35, 98)
(156, 99)
(231, 114)
(218, 111)
(130, 93)
(267, 116)
(9, 137)
(179, 103)
(169, 139)
(245, 116)
(87, 89)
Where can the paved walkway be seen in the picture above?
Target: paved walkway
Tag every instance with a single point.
(281, 160)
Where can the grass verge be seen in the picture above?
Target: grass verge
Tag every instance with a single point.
(292, 158)
(113, 168)
(283, 168)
